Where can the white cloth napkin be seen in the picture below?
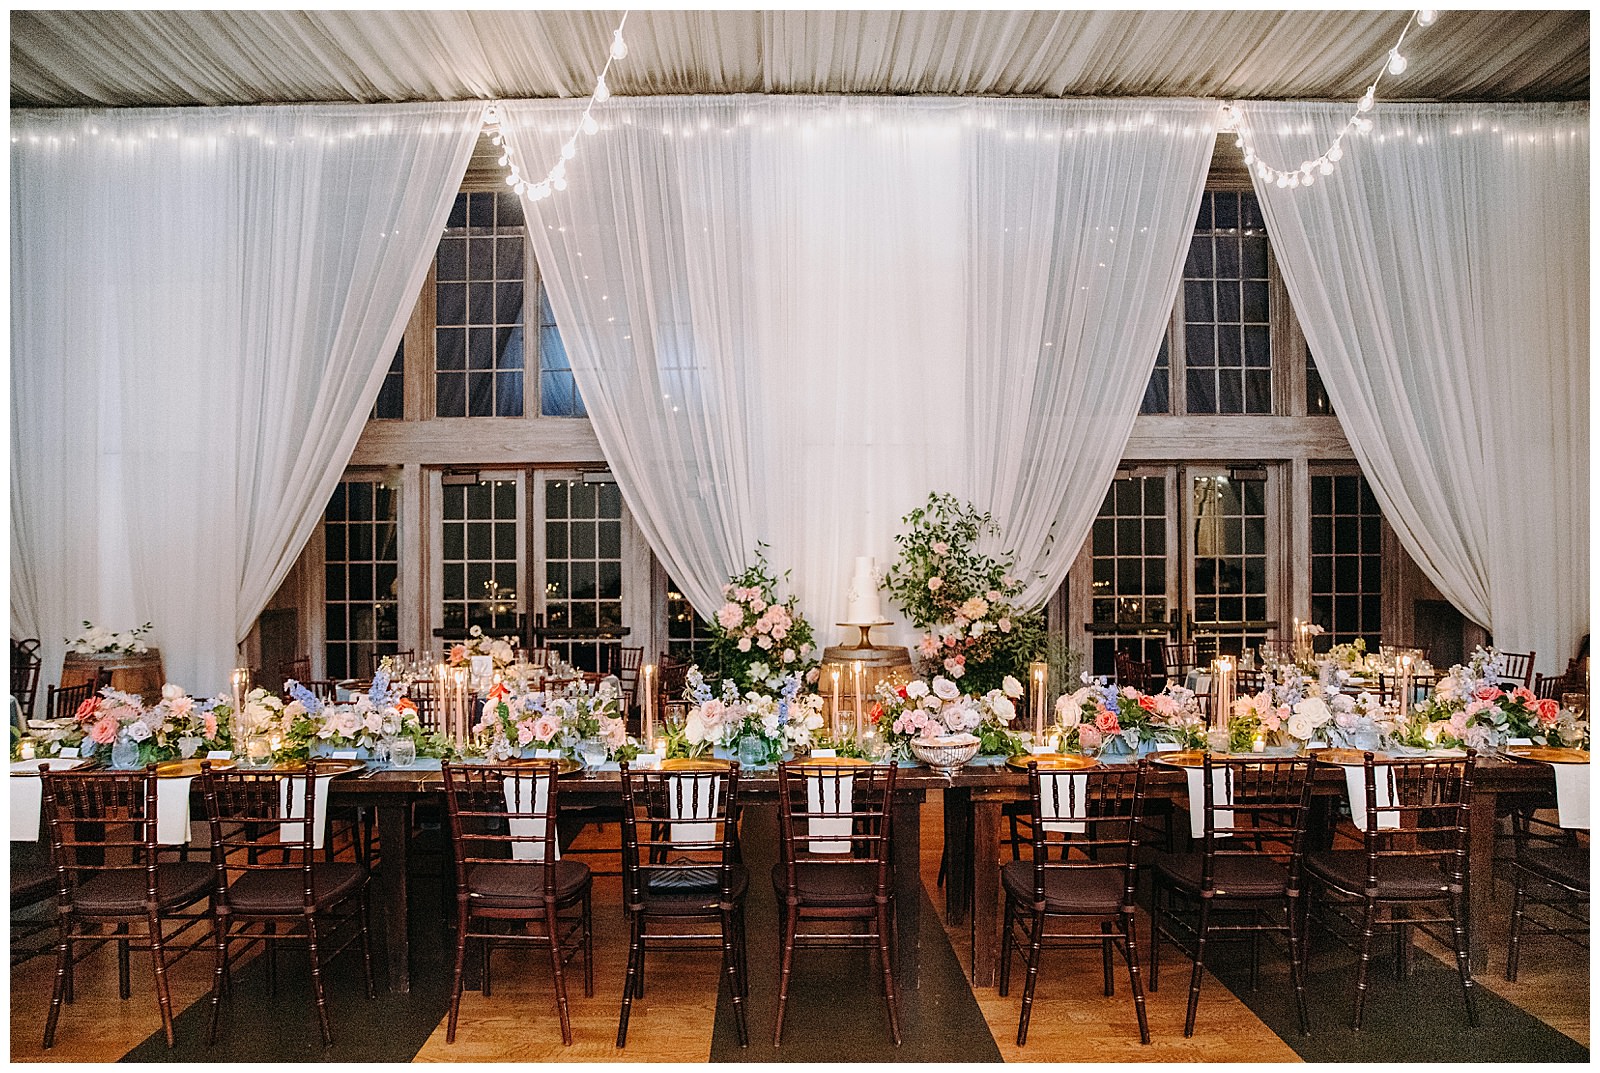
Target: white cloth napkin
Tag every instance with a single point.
(684, 807)
(1355, 779)
(830, 834)
(1062, 808)
(27, 797)
(292, 791)
(1572, 795)
(1197, 800)
(528, 793)
(172, 811)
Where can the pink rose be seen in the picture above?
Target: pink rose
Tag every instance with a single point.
(1549, 711)
(1088, 738)
(1106, 722)
(104, 732)
(1489, 693)
(935, 584)
(211, 726)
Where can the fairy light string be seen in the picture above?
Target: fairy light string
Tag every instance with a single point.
(1310, 170)
(556, 178)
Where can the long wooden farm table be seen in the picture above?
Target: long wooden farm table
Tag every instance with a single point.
(974, 799)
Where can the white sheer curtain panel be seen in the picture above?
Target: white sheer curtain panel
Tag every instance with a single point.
(204, 303)
(1442, 278)
(792, 318)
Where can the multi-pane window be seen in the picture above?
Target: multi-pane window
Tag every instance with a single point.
(1229, 555)
(1227, 335)
(688, 635)
(1157, 395)
(1129, 547)
(391, 401)
(1346, 559)
(481, 274)
(360, 568)
(558, 391)
(583, 566)
(480, 561)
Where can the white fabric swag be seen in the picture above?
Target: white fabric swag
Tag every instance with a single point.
(204, 304)
(1441, 275)
(792, 318)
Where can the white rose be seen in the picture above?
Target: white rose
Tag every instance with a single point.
(171, 691)
(1069, 712)
(1003, 709)
(694, 728)
(1300, 726)
(945, 689)
(744, 644)
(1011, 687)
(788, 655)
(138, 730)
(917, 690)
(1314, 709)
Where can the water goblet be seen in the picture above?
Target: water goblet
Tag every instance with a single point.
(403, 752)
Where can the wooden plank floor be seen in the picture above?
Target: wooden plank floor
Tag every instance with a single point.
(673, 1023)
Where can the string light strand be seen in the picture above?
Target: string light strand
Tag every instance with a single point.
(1310, 170)
(556, 178)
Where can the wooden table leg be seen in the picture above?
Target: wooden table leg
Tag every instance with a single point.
(985, 890)
(907, 855)
(1480, 878)
(394, 830)
(957, 854)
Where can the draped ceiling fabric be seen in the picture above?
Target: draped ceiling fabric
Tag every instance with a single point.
(792, 318)
(1442, 279)
(212, 57)
(204, 304)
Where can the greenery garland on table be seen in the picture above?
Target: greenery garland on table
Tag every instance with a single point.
(964, 601)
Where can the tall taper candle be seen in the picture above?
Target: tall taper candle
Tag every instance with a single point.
(647, 716)
(1405, 687)
(858, 670)
(834, 719)
(1041, 684)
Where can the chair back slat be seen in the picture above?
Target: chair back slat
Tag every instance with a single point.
(1086, 821)
(835, 815)
(680, 830)
(1423, 813)
(1256, 808)
(489, 827)
(256, 827)
(101, 824)
(25, 664)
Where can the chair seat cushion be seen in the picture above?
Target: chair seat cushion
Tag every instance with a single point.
(835, 885)
(1236, 877)
(520, 884)
(692, 891)
(283, 891)
(115, 893)
(1568, 865)
(1397, 877)
(1080, 890)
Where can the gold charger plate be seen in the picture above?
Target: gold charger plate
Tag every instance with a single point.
(324, 767)
(1349, 757)
(565, 765)
(831, 761)
(32, 771)
(693, 763)
(1550, 755)
(1053, 761)
(179, 769)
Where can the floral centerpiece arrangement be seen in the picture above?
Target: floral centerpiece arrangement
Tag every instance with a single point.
(1100, 716)
(308, 726)
(176, 727)
(938, 708)
(757, 638)
(758, 725)
(503, 650)
(1470, 709)
(963, 600)
(99, 641)
(515, 722)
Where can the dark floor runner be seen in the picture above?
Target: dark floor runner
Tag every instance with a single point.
(1421, 1019)
(835, 1012)
(256, 1026)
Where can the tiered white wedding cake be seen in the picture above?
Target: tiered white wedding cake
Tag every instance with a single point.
(862, 607)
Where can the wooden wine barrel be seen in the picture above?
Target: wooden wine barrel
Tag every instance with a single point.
(130, 672)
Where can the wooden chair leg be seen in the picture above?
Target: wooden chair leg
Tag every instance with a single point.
(1518, 906)
(316, 982)
(1007, 926)
(1129, 927)
(888, 971)
(1105, 958)
(159, 963)
(552, 925)
(124, 968)
(635, 956)
(1458, 932)
(1297, 960)
(59, 994)
(219, 972)
(730, 959)
(1035, 948)
(785, 967)
(1155, 937)
(461, 965)
(1369, 911)
(1203, 929)
(366, 942)
(588, 949)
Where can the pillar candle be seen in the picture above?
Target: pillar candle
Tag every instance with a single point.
(1405, 687)
(241, 687)
(1222, 692)
(1041, 683)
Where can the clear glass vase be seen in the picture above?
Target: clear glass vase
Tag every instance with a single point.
(124, 754)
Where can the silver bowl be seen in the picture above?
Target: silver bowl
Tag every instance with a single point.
(944, 756)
